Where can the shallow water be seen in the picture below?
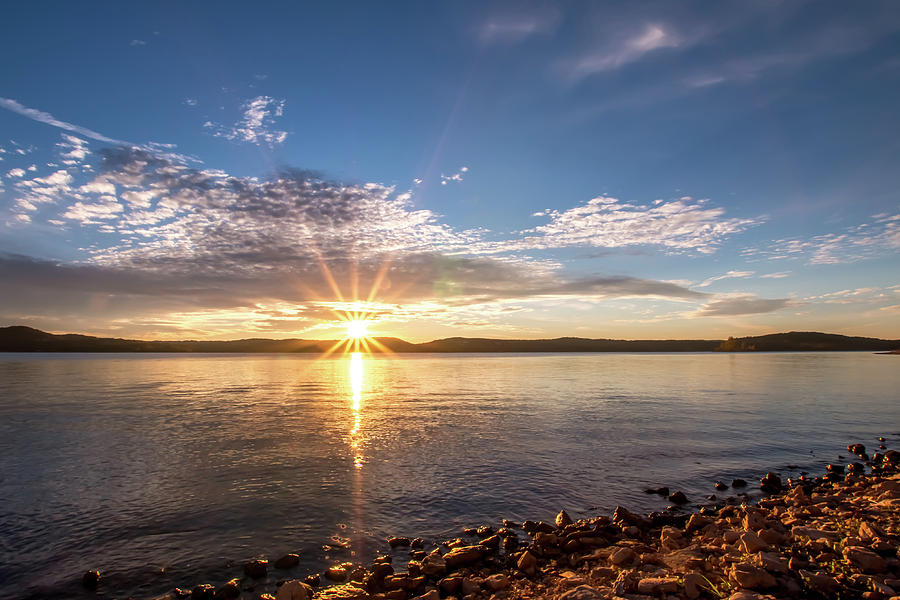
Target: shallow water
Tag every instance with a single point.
(170, 470)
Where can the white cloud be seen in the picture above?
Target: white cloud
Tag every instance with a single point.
(15, 173)
(604, 222)
(255, 126)
(778, 275)
(137, 43)
(190, 101)
(458, 176)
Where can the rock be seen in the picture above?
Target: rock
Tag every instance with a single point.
(563, 519)
(429, 595)
(839, 469)
(857, 468)
(750, 577)
(657, 585)
(204, 591)
(622, 556)
(582, 592)
(745, 595)
(721, 486)
(823, 584)
(754, 520)
(660, 491)
(624, 516)
(865, 559)
(772, 562)
(229, 591)
(312, 580)
(738, 483)
(497, 582)
(869, 532)
(670, 538)
(751, 543)
(856, 449)
(815, 534)
(347, 591)
(451, 584)
(692, 583)
(527, 563)
(484, 531)
(288, 561)
(417, 543)
(492, 542)
(678, 498)
(434, 565)
(396, 542)
(256, 569)
(91, 579)
(336, 573)
(463, 556)
(771, 483)
(469, 586)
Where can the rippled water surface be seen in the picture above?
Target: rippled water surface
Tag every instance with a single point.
(165, 470)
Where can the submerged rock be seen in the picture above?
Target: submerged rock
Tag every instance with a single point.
(771, 483)
(256, 569)
(288, 561)
(678, 498)
(91, 579)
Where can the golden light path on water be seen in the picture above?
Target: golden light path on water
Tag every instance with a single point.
(356, 387)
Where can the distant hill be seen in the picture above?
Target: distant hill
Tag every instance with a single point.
(26, 339)
(805, 340)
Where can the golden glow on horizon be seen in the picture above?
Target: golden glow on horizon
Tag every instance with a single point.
(357, 328)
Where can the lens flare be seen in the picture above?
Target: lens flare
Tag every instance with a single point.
(357, 329)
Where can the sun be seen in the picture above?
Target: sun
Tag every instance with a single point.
(357, 329)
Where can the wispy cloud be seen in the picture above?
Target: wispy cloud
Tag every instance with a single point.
(256, 123)
(137, 43)
(868, 240)
(44, 117)
(728, 275)
(514, 27)
(615, 53)
(604, 222)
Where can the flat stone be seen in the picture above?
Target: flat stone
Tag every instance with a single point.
(657, 585)
(463, 555)
(582, 592)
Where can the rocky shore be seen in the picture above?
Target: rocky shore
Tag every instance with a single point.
(833, 536)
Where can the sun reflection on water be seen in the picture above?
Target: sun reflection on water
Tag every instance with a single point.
(356, 386)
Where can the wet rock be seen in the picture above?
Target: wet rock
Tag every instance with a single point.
(288, 561)
(582, 592)
(750, 577)
(563, 519)
(657, 586)
(434, 565)
(463, 555)
(771, 483)
(229, 591)
(396, 542)
(857, 468)
(312, 580)
(336, 573)
(484, 531)
(417, 543)
(256, 569)
(839, 469)
(429, 595)
(469, 530)
(510, 544)
(497, 582)
(623, 515)
(738, 483)
(660, 491)
(204, 591)
(721, 486)
(90, 580)
(678, 498)
(856, 449)
(865, 559)
(527, 563)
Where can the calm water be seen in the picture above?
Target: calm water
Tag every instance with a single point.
(137, 463)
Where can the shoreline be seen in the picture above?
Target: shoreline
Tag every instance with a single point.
(830, 536)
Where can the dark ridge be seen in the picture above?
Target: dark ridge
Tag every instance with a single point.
(19, 338)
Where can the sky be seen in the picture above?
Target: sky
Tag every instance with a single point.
(187, 170)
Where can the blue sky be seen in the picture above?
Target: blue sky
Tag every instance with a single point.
(176, 170)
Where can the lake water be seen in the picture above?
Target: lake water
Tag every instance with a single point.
(171, 470)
